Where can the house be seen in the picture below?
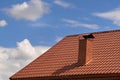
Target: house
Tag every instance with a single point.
(90, 56)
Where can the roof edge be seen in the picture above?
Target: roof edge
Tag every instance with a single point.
(83, 76)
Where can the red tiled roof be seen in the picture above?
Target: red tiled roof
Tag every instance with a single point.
(62, 58)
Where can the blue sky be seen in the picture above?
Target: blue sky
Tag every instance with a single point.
(30, 27)
(50, 25)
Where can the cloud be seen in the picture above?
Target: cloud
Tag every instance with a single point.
(75, 23)
(26, 49)
(13, 59)
(40, 25)
(63, 3)
(43, 25)
(3, 23)
(31, 10)
(113, 15)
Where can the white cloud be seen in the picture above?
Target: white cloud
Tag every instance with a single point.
(43, 25)
(26, 49)
(75, 23)
(113, 15)
(3, 23)
(63, 3)
(31, 10)
(13, 59)
(40, 25)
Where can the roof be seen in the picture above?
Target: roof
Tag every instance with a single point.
(62, 58)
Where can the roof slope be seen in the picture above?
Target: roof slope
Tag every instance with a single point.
(62, 58)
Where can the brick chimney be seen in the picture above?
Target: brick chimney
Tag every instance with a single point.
(85, 49)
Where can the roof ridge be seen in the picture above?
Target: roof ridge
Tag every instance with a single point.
(107, 31)
(94, 32)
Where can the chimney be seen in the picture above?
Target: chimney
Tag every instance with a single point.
(85, 49)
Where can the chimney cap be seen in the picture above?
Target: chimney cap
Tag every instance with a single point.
(89, 36)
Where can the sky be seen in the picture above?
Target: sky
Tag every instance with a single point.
(30, 27)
